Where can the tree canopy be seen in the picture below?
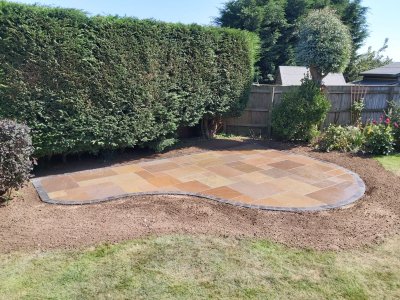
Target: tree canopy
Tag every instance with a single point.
(275, 21)
(324, 44)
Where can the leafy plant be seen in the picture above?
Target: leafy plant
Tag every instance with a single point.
(356, 110)
(300, 113)
(15, 152)
(379, 138)
(356, 139)
(344, 139)
(87, 84)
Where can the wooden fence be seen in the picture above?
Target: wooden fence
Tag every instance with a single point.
(256, 118)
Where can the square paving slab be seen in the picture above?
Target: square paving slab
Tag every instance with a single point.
(265, 179)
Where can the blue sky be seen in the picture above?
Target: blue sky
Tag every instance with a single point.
(383, 17)
(384, 21)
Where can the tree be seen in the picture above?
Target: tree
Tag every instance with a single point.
(367, 61)
(324, 45)
(275, 21)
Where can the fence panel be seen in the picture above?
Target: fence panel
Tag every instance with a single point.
(256, 119)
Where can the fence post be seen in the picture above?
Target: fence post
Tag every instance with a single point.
(269, 123)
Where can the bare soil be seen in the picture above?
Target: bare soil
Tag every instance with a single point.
(29, 224)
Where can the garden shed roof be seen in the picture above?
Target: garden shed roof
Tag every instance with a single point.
(292, 75)
(390, 70)
(385, 75)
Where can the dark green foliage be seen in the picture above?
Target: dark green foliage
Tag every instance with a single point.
(275, 21)
(15, 151)
(160, 145)
(91, 83)
(300, 112)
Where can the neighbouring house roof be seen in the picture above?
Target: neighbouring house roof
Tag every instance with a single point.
(290, 75)
(385, 75)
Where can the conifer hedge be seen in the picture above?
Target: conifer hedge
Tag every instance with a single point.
(89, 83)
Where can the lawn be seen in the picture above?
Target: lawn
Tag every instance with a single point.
(391, 163)
(202, 267)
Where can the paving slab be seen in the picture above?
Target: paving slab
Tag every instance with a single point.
(254, 178)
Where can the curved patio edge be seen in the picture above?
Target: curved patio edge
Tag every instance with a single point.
(340, 204)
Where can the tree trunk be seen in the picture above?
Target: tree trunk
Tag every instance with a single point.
(316, 75)
(210, 126)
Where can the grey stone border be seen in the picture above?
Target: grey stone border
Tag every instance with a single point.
(45, 197)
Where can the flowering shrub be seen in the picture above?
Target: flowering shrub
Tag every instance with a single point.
(379, 137)
(375, 138)
(345, 139)
(15, 151)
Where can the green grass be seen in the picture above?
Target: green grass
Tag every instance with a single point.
(182, 267)
(390, 162)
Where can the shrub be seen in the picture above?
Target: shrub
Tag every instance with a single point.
(15, 151)
(300, 113)
(344, 139)
(93, 83)
(379, 138)
(356, 139)
(394, 116)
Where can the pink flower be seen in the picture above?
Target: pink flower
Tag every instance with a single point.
(374, 122)
(396, 125)
(387, 121)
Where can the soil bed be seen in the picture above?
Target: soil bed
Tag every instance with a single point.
(29, 224)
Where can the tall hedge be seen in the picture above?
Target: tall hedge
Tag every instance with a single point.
(88, 83)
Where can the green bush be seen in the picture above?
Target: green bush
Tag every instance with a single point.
(15, 151)
(379, 138)
(300, 112)
(91, 83)
(344, 139)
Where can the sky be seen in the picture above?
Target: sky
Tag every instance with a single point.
(383, 16)
(384, 22)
